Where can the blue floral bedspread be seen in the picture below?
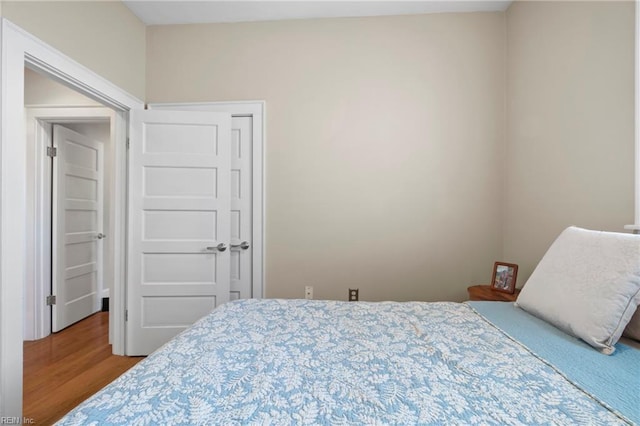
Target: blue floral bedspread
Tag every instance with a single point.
(277, 362)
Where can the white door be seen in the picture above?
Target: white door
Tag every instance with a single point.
(241, 209)
(179, 223)
(246, 213)
(76, 226)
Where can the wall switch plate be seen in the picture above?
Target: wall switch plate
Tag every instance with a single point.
(353, 294)
(308, 292)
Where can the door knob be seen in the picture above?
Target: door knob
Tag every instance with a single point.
(220, 247)
(243, 245)
(101, 236)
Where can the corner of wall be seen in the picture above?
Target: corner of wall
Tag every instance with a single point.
(505, 121)
(569, 122)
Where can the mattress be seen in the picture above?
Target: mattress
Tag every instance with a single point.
(325, 362)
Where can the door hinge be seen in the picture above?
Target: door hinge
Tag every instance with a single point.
(51, 300)
(52, 151)
(126, 315)
(127, 143)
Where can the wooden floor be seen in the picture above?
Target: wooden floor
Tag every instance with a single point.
(65, 368)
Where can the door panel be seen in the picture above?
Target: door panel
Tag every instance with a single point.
(77, 220)
(179, 213)
(187, 310)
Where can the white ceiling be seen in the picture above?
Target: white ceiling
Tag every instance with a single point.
(167, 12)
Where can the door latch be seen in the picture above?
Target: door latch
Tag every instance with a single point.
(220, 247)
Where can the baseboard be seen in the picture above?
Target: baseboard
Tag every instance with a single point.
(105, 304)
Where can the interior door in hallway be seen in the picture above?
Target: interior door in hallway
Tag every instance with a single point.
(77, 239)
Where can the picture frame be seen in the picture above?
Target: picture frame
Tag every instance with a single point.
(504, 277)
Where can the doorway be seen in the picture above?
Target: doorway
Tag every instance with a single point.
(20, 49)
(69, 158)
(69, 260)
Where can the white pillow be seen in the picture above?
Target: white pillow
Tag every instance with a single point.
(587, 284)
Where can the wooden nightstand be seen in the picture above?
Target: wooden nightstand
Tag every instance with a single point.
(484, 292)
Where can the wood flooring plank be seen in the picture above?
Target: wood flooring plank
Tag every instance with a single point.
(79, 388)
(65, 368)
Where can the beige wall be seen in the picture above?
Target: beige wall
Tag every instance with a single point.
(387, 164)
(384, 144)
(570, 122)
(40, 90)
(104, 36)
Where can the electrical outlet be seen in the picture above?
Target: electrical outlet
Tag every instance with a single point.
(308, 292)
(353, 294)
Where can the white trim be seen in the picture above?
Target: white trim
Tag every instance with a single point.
(636, 226)
(118, 300)
(257, 110)
(38, 244)
(20, 48)
(39, 121)
(637, 118)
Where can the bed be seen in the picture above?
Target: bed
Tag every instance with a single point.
(281, 362)
(322, 362)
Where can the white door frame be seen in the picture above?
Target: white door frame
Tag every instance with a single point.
(37, 321)
(256, 110)
(635, 227)
(20, 48)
